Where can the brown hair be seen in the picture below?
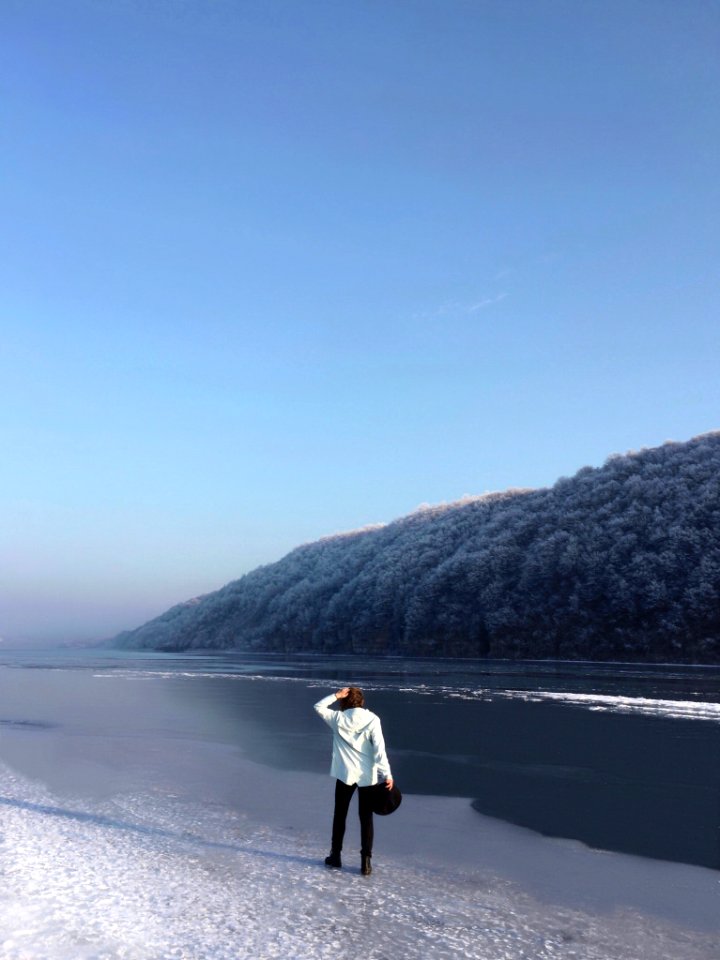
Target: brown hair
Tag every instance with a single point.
(354, 698)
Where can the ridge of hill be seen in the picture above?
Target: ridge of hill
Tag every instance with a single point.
(620, 562)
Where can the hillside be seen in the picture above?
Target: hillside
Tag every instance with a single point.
(620, 562)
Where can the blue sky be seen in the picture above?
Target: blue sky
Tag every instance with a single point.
(271, 270)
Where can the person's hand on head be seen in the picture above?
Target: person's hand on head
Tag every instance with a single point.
(341, 694)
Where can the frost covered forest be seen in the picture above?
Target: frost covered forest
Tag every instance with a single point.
(616, 563)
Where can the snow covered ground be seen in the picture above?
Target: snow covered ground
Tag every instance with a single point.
(153, 876)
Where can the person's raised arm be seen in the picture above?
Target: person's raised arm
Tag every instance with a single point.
(324, 707)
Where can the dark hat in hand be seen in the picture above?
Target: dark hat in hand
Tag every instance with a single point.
(385, 801)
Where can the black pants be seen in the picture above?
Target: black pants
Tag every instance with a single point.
(343, 795)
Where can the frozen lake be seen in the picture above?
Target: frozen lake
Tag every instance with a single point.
(623, 758)
(132, 784)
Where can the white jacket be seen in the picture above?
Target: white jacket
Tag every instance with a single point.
(358, 746)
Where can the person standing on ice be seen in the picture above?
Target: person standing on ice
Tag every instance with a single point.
(358, 760)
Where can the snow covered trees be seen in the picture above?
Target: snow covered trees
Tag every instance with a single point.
(620, 562)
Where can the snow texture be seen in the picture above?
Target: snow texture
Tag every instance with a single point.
(156, 876)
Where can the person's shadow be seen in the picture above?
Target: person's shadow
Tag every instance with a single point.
(98, 820)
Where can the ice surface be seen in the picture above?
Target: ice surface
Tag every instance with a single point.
(675, 709)
(153, 876)
(670, 709)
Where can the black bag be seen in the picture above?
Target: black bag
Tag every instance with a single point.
(385, 801)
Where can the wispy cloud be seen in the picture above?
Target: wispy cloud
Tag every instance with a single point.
(486, 302)
(458, 308)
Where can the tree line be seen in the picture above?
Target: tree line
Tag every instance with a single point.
(620, 562)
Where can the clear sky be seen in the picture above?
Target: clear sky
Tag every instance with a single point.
(272, 269)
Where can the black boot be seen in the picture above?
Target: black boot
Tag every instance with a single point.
(365, 865)
(334, 859)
